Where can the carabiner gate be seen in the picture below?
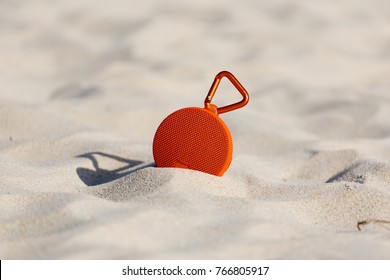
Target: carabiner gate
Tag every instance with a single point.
(213, 88)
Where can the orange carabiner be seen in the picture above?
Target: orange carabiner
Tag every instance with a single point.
(214, 86)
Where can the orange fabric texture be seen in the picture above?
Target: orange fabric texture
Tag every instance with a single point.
(193, 138)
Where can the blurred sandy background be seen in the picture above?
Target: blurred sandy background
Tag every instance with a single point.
(85, 84)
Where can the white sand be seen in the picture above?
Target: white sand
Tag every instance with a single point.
(84, 85)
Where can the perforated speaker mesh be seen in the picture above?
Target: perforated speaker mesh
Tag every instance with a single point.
(193, 138)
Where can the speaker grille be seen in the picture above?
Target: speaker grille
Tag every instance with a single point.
(193, 138)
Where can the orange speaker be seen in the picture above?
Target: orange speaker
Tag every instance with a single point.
(197, 138)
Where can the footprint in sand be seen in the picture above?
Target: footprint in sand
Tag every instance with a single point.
(327, 164)
(364, 171)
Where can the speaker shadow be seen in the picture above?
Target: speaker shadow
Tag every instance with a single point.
(100, 175)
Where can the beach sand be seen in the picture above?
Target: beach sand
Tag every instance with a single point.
(85, 84)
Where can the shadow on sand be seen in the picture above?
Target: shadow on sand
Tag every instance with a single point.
(100, 176)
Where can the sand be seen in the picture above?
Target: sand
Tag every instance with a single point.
(85, 84)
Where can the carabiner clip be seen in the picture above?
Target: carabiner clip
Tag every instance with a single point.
(214, 86)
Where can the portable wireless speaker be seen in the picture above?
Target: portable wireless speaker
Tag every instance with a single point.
(197, 138)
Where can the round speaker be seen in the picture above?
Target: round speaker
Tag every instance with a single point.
(193, 138)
